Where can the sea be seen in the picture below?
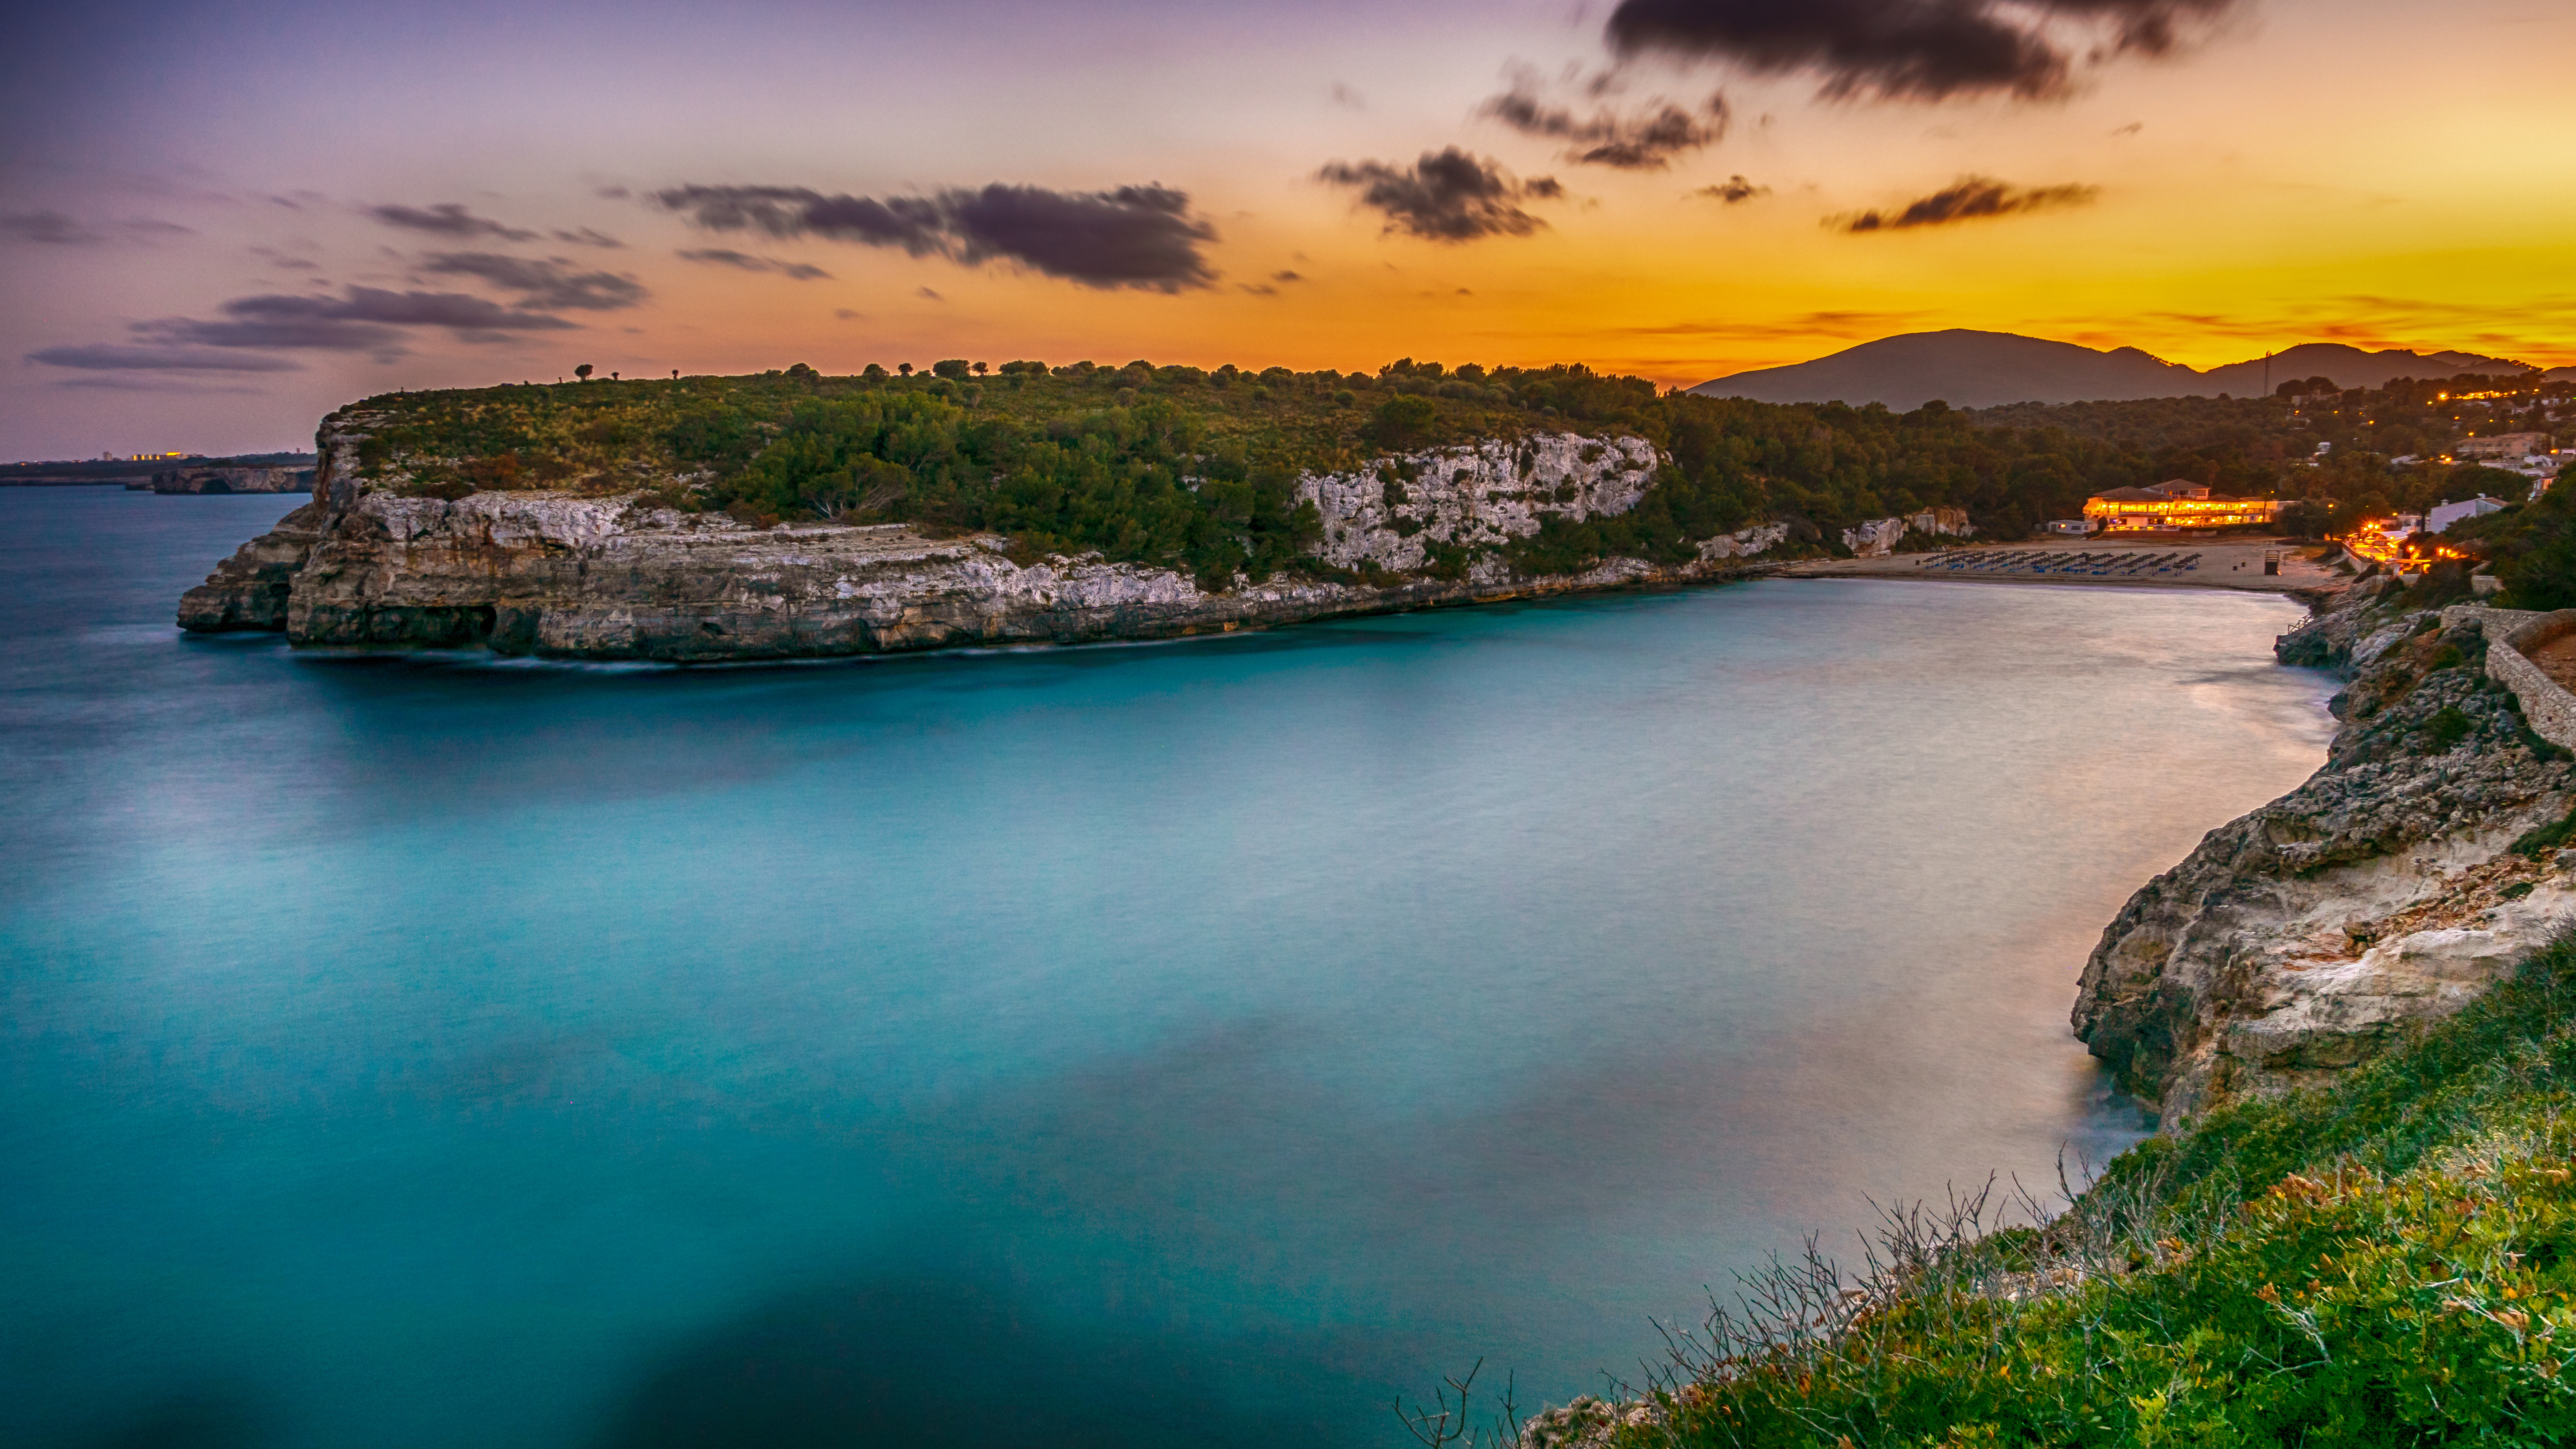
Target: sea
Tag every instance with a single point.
(1204, 1042)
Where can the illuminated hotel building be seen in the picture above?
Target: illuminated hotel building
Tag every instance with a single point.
(2175, 506)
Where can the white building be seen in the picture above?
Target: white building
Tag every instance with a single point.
(2444, 515)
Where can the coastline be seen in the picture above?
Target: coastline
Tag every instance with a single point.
(2232, 564)
(2347, 1007)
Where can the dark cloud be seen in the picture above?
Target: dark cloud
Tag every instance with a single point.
(1446, 196)
(585, 237)
(745, 261)
(1970, 198)
(1732, 190)
(46, 226)
(1912, 49)
(363, 319)
(548, 283)
(1136, 236)
(447, 219)
(927, 295)
(118, 357)
(1286, 277)
(1646, 142)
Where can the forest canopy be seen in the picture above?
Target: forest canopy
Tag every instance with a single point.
(1197, 468)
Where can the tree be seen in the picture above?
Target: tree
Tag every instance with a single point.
(583, 372)
(904, 367)
(1401, 421)
(953, 368)
(979, 369)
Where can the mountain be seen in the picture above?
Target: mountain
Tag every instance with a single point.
(1984, 369)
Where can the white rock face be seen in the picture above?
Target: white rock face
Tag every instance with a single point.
(1878, 537)
(1487, 494)
(615, 576)
(2303, 938)
(1745, 543)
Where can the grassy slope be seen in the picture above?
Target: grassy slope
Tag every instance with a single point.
(2391, 1261)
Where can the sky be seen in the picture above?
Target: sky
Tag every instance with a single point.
(220, 221)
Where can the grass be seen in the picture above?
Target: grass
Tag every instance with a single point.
(2391, 1260)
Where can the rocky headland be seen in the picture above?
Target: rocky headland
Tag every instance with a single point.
(575, 574)
(2419, 866)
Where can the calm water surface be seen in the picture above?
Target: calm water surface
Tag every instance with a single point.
(1195, 1043)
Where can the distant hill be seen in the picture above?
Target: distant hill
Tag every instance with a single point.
(1986, 369)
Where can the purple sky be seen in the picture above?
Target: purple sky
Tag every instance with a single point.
(218, 221)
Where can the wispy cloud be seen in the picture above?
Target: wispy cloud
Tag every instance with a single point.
(1968, 199)
(361, 319)
(1647, 141)
(120, 357)
(51, 228)
(745, 261)
(447, 218)
(542, 284)
(1732, 190)
(1803, 325)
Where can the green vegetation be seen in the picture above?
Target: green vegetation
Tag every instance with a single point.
(1197, 468)
(2533, 546)
(2388, 1261)
(2383, 445)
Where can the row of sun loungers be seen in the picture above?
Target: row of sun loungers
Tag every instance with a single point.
(2122, 565)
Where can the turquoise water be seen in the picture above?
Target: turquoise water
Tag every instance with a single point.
(1195, 1043)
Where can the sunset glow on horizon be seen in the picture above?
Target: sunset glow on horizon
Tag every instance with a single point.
(221, 221)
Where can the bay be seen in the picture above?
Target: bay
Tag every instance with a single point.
(1187, 1043)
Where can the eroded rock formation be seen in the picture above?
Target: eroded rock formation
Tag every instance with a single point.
(2296, 941)
(621, 577)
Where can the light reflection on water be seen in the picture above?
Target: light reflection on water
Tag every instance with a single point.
(1125, 1046)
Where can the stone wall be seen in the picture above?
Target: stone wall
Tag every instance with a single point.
(2546, 705)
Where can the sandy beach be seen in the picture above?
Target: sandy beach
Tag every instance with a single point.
(2160, 564)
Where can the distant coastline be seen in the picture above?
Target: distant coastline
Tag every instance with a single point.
(2229, 564)
(139, 474)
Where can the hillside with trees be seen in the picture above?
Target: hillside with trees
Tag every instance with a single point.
(1198, 468)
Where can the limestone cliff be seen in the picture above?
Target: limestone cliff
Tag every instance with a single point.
(1879, 537)
(624, 576)
(2300, 939)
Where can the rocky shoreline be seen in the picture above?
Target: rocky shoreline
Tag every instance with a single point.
(2310, 935)
(2427, 863)
(625, 576)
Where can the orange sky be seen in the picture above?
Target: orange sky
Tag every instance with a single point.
(2382, 174)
